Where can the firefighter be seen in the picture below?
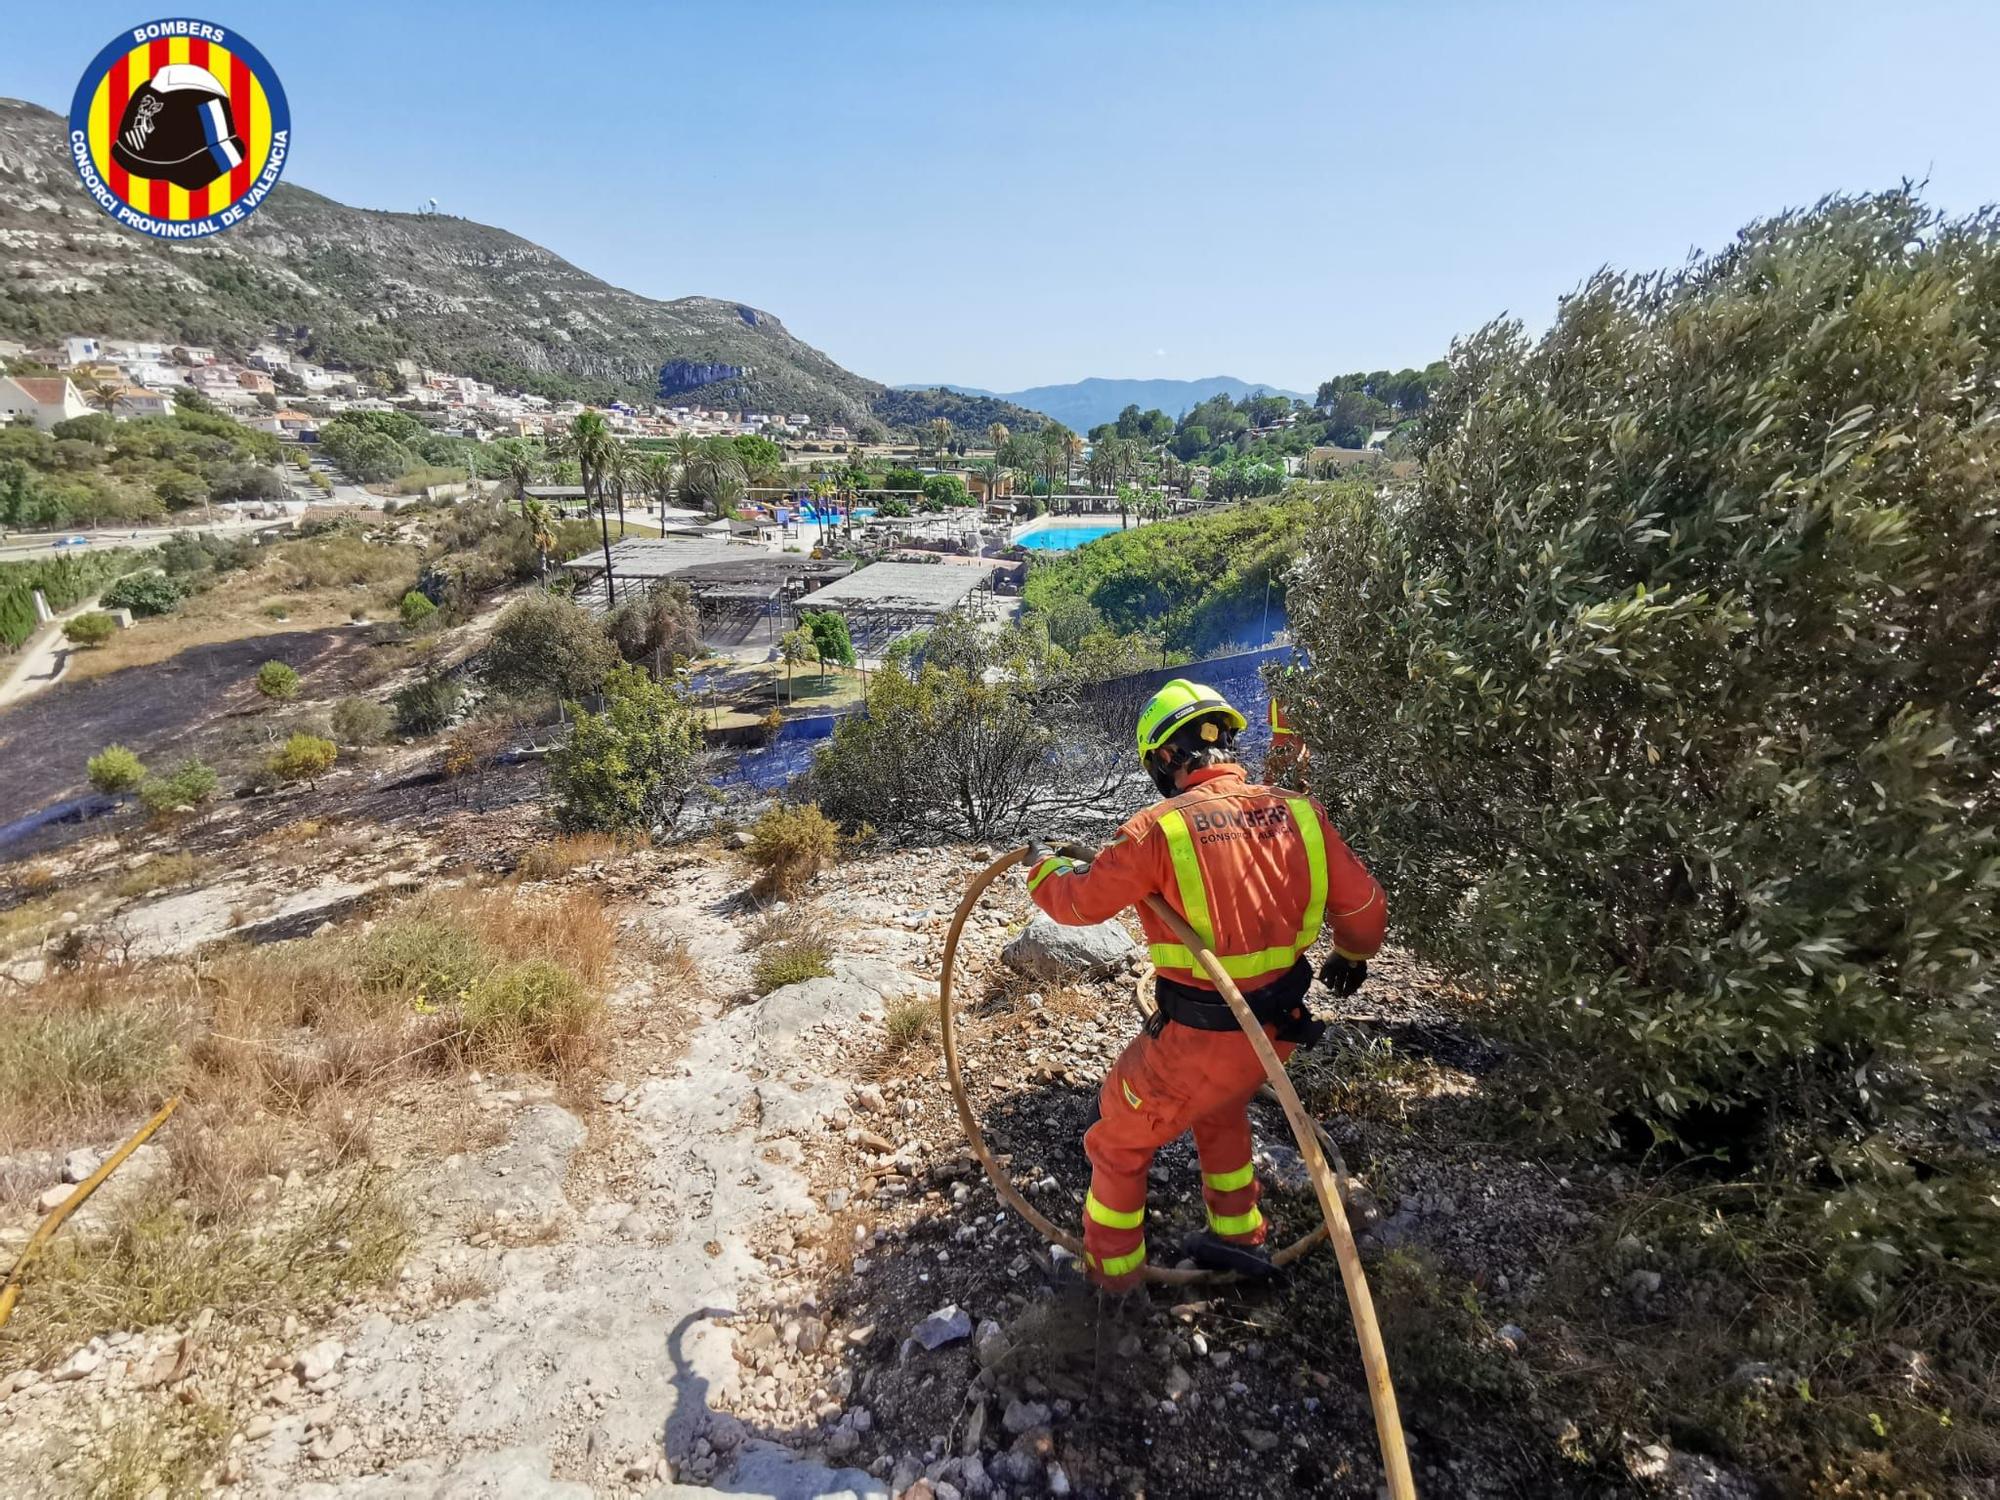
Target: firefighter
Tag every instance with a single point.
(1256, 872)
(1287, 764)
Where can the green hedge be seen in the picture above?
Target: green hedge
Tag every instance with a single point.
(63, 581)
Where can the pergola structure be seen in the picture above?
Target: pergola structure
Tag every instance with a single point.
(890, 599)
(736, 586)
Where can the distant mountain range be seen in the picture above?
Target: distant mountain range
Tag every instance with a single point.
(359, 289)
(1083, 404)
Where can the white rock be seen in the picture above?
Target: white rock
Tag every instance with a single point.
(52, 1198)
(79, 1164)
(318, 1361)
(83, 1362)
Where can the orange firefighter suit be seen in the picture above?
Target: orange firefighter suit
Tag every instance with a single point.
(1256, 872)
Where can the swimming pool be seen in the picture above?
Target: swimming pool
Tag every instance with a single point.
(1062, 538)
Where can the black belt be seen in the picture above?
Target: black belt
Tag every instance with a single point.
(1281, 1003)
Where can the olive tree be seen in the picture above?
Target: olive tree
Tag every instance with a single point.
(1665, 700)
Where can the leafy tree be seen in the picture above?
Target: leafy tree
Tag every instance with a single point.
(304, 757)
(277, 682)
(1664, 704)
(894, 507)
(247, 482)
(715, 481)
(945, 490)
(631, 766)
(145, 594)
(90, 630)
(114, 769)
(664, 622)
(830, 639)
(547, 646)
(795, 647)
(968, 741)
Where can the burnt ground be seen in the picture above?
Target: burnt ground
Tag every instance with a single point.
(1246, 1390)
(165, 711)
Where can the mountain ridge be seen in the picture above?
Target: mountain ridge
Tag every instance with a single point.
(358, 289)
(1083, 404)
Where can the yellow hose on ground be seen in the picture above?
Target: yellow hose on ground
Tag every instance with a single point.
(1374, 1358)
(10, 1291)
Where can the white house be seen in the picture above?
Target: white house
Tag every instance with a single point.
(43, 399)
(80, 351)
(134, 402)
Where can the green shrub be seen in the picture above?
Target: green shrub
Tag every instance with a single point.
(423, 959)
(277, 682)
(427, 705)
(664, 622)
(536, 1013)
(360, 721)
(417, 611)
(191, 784)
(791, 843)
(546, 646)
(90, 630)
(305, 757)
(1664, 704)
(631, 766)
(145, 594)
(791, 962)
(114, 769)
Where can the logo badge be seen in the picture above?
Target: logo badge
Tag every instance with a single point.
(179, 129)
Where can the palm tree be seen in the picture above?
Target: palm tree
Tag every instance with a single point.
(520, 467)
(685, 446)
(941, 434)
(1072, 449)
(541, 529)
(590, 444)
(617, 468)
(716, 479)
(1102, 469)
(997, 435)
(101, 394)
(656, 476)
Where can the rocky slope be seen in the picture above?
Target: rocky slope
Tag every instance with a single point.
(359, 288)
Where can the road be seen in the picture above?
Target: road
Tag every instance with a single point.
(25, 546)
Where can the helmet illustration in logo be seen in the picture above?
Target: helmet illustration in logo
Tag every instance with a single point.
(179, 128)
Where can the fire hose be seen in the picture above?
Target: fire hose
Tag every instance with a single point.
(10, 1289)
(1374, 1358)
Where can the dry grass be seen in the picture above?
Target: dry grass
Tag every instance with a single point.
(233, 608)
(34, 877)
(157, 874)
(514, 1233)
(29, 923)
(572, 851)
(161, 1265)
(459, 1286)
(671, 959)
(165, 1451)
(218, 1162)
(791, 962)
(907, 1023)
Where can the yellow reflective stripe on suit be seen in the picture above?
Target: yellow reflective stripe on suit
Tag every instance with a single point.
(1194, 899)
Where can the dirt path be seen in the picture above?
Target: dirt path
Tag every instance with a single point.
(44, 660)
(575, 1307)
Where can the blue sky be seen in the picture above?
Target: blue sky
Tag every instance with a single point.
(1012, 194)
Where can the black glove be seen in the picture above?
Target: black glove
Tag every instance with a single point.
(1037, 852)
(1343, 975)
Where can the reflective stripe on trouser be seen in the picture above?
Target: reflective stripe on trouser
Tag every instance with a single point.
(1158, 1089)
(1228, 1181)
(1193, 891)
